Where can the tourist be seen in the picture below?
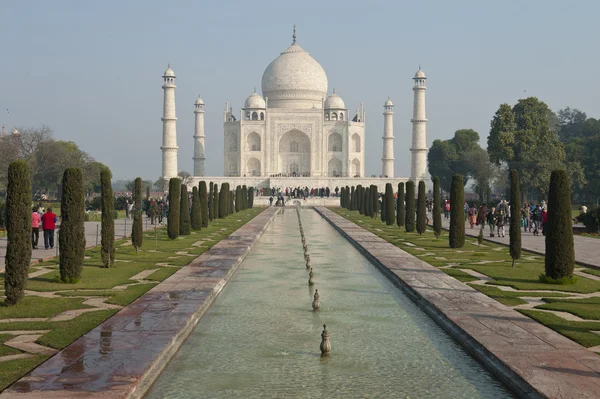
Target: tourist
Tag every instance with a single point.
(491, 220)
(271, 201)
(466, 207)
(126, 209)
(536, 217)
(525, 217)
(472, 211)
(337, 189)
(544, 220)
(446, 209)
(36, 219)
(49, 220)
(501, 221)
(481, 216)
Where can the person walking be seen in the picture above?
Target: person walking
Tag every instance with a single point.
(536, 216)
(500, 222)
(491, 220)
(472, 211)
(36, 219)
(49, 220)
(446, 209)
(525, 217)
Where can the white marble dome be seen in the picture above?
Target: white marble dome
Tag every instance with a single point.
(294, 80)
(255, 101)
(420, 74)
(388, 103)
(334, 102)
(169, 73)
(199, 101)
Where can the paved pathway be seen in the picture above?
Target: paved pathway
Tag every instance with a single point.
(527, 356)
(587, 249)
(92, 236)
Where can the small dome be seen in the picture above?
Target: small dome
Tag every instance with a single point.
(334, 102)
(388, 103)
(255, 101)
(169, 73)
(199, 101)
(420, 74)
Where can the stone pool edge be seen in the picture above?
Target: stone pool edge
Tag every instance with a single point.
(120, 378)
(512, 363)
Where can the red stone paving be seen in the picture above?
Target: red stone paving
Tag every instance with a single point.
(527, 356)
(121, 357)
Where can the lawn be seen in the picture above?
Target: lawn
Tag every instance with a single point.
(493, 260)
(158, 254)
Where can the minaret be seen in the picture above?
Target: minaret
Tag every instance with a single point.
(388, 139)
(418, 170)
(199, 138)
(169, 144)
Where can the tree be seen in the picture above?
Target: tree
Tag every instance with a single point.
(174, 208)
(421, 209)
(203, 203)
(409, 222)
(223, 201)
(456, 232)
(107, 243)
(437, 207)
(560, 253)
(161, 184)
(231, 205)
(382, 210)
(185, 177)
(352, 198)
(211, 200)
(515, 220)
(196, 219)
(238, 198)
(358, 195)
(368, 202)
(215, 202)
(137, 230)
(18, 224)
(400, 205)
(184, 212)
(71, 238)
(374, 200)
(244, 196)
(389, 204)
(251, 197)
(342, 197)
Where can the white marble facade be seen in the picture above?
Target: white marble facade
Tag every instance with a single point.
(296, 129)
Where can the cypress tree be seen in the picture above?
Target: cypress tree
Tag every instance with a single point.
(367, 200)
(215, 200)
(352, 198)
(211, 208)
(18, 224)
(400, 205)
(107, 243)
(347, 200)
(342, 197)
(203, 194)
(456, 232)
(71, 239)
(231, 204)
(389, 204)
(238, 198)
(560, 253)
(251, 197)
(184, 212)
(137, 231)
(221, 202)
(421, 209)
(437, 208)
(409, 221)
(358, 194)
(196, 220)
(515, 219)
(244, 197)
(174, 207)
(374, 201)
(382, 211)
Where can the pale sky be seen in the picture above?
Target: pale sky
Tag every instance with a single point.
(92, 70)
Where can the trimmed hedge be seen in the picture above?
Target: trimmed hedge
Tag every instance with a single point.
(196, 219)
(107, 242)
(71, 238)
(400, 205)
(560, 252)
(389, 204)
(421, 209)
(515, 219)
(174, 207)
(203, 194)
(137, 230)
(211, 202)
(456, 232)
(409, 221)
(437, 207)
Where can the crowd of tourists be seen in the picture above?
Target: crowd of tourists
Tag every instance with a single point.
(299, 192)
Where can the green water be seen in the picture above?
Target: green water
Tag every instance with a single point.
(260, 338)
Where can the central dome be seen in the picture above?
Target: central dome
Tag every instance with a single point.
(294, 80)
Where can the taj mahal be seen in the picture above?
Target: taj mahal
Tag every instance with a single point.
(295, 134)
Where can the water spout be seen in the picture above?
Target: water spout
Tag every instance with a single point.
(325, 344)
(316, 305)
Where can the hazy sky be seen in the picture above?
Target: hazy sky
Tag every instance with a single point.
(92, 69)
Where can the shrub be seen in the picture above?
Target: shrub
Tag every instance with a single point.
(18, 224)
(421, 209)
(456, 232)
(174, 207)
(71, 238)
(137, 230)
(400, 205)
(196, 220)
(515, 219)
(409, 221)
(560, 253)
(203, 194)
(389, 204)
(107, 241)
(437, 208)
(184, 212)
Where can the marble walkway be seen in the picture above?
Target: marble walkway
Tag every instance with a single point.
(530, 358)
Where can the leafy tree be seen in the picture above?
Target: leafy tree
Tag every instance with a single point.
(389, 204)
(400, 206)
(409, 221)
(185, 177)
(184, 212)
(203, 203)
(456, 232)
(560, 253)
(196, 220)
(161, 184)
(107, 243)
(174, 208)
(421, 209)
(137, 230)
(18, 224)
(71, 238)
(437, 207)
(515, 220)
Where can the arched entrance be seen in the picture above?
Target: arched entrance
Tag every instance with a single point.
(253, 167)
(334, 168)
(294, 154)
(355, 168)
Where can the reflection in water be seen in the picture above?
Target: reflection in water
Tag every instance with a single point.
(261, 338)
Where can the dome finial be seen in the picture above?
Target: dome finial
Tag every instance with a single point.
(294, 35)
(334, 90)
(254, 89)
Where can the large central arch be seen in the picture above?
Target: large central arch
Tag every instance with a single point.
(294, 153)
